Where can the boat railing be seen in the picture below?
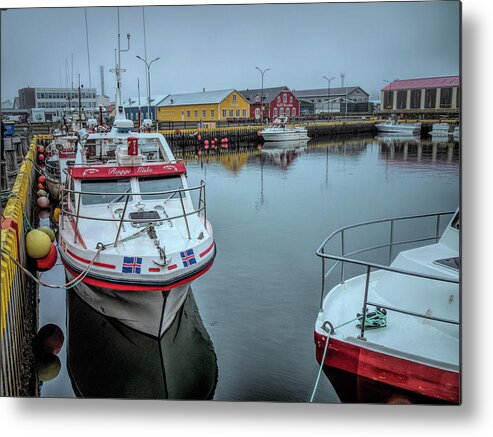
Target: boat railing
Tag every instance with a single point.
(181, 193)
(350, 257)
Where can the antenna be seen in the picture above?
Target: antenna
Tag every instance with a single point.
(87, 44)
(343, 75)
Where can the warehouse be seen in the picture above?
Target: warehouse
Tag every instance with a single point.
(204, 108)
(422, 95)
(342, 100)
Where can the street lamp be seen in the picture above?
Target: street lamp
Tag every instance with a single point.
(328, 95)
(148, 65)
(262, 72)
(391, 96)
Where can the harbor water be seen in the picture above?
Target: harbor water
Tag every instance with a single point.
(246, 331)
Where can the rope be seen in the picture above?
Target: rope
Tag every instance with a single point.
(323, 357)
(74, 282)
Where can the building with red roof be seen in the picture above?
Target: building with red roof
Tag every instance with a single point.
(429, 94)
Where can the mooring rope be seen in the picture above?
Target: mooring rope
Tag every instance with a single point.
(375, 319)
(74, 282)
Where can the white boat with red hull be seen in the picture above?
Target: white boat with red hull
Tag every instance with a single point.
(399, 322)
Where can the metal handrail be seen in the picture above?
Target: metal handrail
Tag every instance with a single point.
(344, 258)
(201, 207)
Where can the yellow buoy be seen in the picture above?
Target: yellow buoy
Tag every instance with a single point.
(38, 244)
(48, 231)
(56, 214)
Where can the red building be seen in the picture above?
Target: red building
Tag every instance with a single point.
(277, 101)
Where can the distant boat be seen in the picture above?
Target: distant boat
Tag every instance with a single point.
(279, 130)
(440, 130)
(393, 126)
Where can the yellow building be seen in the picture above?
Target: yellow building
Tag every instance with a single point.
(206, 107)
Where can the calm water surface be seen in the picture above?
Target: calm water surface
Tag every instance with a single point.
(246, 333)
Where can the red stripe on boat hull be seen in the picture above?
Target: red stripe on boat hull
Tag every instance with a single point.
(398, 372)
(119, 286)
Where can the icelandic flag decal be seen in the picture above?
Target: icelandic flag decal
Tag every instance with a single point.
(131, 264)
(188, 258)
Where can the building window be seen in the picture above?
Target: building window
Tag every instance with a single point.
(195, 113)
(278, 99)
(212, 113)
(387, 100)
(457, 98)
(401, 99)
(275, 112)
(415, 99)
(288, 112)
(446, 98)
(293, 112)
(290, 99)
(257, 113)
(237, 112)
(224, 113)
(430, 98)
(281, 112)
(285, 98)
(188, 114)
(244, 113)
(231, 113)
(203, 113)
(234, 97)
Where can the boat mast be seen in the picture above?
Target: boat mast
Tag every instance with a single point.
(120, 112)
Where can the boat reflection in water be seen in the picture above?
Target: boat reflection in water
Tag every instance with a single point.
(283, 153)
(149, 312)
(107, 359)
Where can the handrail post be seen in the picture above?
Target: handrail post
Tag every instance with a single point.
(391, 240)
(323, 284)
(185, 216)
(121, 219)
(437, 228)
(205, 207)
(365, 302)
(77, 218)
(61, 216)
(342, 254)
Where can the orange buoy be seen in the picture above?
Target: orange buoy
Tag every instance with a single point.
(199, 152)
(41, 149)
(56, 214)
(42, 179)
(46, 263)
(49, 339)
(41, 186)
(41, 157)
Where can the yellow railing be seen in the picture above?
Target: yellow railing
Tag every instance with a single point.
(13, 281)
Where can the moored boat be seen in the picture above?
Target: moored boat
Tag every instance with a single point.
(393, 126)
(399, 322)
(279, 130)
(440, 130)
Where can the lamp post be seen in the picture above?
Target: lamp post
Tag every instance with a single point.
(262, 72)
(328, 95)
(148, 65)
(391, 96)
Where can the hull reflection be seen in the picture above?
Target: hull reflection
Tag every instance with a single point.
(107, 359)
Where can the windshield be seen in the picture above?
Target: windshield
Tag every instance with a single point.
(108, 186)
(151, 185)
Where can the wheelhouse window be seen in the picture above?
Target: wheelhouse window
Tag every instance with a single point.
(119, 187)
(160, 184)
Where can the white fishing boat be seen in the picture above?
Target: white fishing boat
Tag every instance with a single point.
(279, 130)
(440, 130)
(456, 133)
(59, 154)
(392, 125)
(399, 322)
(129, 222)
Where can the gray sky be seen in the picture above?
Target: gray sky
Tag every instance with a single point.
(217, 47)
